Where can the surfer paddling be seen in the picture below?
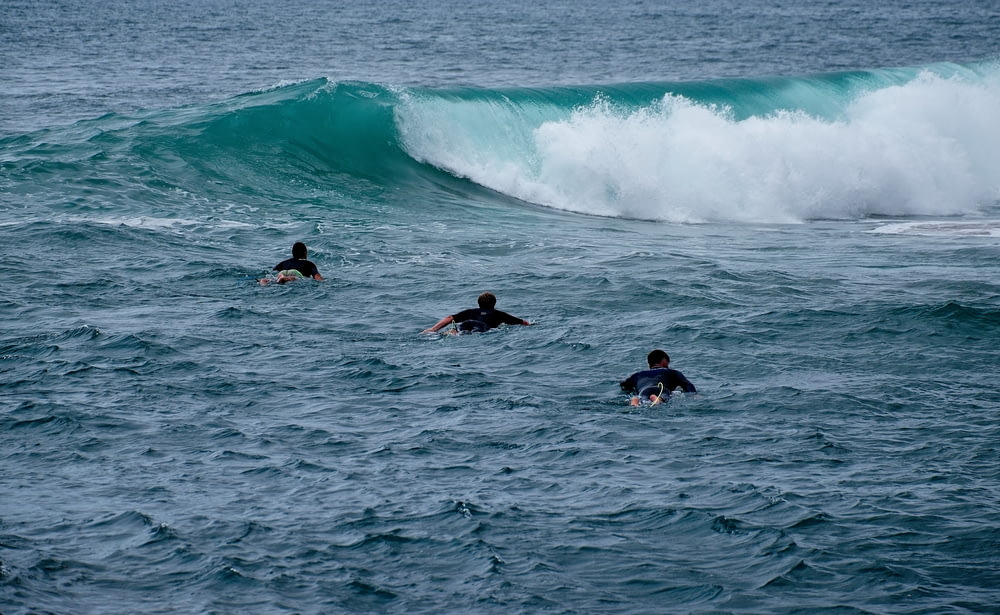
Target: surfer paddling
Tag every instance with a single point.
(656, 383)
(299, 266)
(480, 319)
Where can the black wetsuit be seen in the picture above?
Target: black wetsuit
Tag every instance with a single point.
(648, 382)
(306, 268)
(483, 319)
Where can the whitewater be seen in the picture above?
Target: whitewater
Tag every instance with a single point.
(799, 203)
(837, 146)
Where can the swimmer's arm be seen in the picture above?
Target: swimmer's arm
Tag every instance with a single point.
(447, 320)
(509, 319)
(685, 384)
(318, 277)
(628, 385)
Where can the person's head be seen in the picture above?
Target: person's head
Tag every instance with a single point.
(299, 250)
(487, 301)
(658, 358)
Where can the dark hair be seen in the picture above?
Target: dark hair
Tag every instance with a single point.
(487, 301)
(299, 250)
(656, 356)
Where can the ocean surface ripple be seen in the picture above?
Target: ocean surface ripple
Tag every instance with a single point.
(800, 203)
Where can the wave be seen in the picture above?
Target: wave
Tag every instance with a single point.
(919, 141)
(900, 142)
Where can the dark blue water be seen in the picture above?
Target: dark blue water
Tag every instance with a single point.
(799, 202)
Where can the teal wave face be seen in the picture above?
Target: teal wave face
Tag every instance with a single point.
(311, 130)
(293, 139)
(281, 145)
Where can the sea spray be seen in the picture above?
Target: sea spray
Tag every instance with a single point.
(879, 144)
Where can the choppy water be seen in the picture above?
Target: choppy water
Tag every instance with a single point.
(798, 202)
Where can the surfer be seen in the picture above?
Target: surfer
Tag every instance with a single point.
(296, 267)
(655, 383)
(477, 320)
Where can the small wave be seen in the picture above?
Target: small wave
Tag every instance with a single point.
(976, 319)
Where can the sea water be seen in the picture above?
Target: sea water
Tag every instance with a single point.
(798, 201)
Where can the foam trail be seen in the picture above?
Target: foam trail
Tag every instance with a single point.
(983, 228)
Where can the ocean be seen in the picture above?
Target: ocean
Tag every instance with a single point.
(799, 201)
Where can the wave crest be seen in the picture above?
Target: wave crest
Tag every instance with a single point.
(836, 147)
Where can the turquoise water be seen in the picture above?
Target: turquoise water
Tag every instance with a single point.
(799, 203)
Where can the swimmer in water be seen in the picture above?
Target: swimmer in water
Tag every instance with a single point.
(294, 268)
(656, 383)
(477, 320)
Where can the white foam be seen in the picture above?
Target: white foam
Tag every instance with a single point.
(157, 223)
(984, 228)
(930, 147)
